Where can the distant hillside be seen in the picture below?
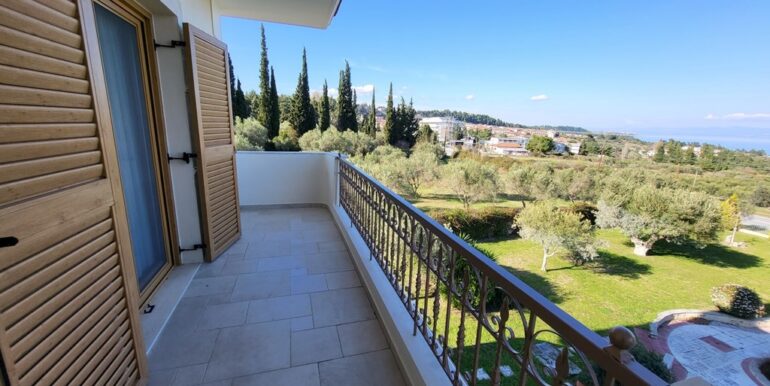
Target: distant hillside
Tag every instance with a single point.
(483, 119)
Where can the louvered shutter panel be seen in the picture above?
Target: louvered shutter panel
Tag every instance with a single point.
(67, 313)
(210, 111)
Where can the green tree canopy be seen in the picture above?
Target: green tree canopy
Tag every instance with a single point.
(346, 111)
(471, 180)
(649, 214)
(556, 229)
(302, 116)
(263, 112)
(539, 145)
(324, 118)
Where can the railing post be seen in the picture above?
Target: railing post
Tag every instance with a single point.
(621, 340)
(337, 178)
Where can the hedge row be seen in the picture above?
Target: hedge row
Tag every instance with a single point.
(479, 224)
(493, 223)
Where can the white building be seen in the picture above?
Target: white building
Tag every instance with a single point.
(574, 148)
(513, 149)
(518, 140)
(445, 127)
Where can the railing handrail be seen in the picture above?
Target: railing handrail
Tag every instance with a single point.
(584, 339)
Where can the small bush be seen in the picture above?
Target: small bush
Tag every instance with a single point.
(738, 301)
(479, 224)
(649, 359)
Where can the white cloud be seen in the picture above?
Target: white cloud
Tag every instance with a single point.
(470, 97)
(739, 116)
(541, 97)
(365, 89)
(747, 116)
(331, 91)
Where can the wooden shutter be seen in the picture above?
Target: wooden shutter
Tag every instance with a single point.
(68, 298)
(210, 112)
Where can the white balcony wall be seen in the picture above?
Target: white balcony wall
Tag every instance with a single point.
(286, 178)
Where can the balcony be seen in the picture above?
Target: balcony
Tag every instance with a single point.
(336, 280)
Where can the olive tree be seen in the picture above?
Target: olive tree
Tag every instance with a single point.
(419, 169)
(556, 229)
(649, 214)
(471, 180)
(332, 140)
(249, 134)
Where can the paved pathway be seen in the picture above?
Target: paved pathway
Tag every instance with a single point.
(716, 351)
(756, 221)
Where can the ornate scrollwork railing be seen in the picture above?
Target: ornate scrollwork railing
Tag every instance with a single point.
(483, 324)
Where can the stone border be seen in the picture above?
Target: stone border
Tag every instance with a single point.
(713, 316)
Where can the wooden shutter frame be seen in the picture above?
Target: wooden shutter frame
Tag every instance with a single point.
(104, 123)
(196, 124)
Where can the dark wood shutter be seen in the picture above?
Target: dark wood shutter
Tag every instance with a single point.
(68, 297)
(212, 128)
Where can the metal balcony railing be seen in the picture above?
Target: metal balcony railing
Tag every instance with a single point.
(472, 312)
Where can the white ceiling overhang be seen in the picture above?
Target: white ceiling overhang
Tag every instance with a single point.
(310, 13)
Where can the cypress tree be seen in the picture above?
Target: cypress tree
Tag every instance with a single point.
(346, 113)
(275, 111)
(232, 84)
(340, 115)
(371, 120)
(325, 119)
(302, 117)
(240, 106)
(390, 129)
(263, 114)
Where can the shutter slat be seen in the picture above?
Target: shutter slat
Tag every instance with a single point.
(45, 131)
(31, 96)
(23, 23)
(26, 42)
(35, 79)
(45, 14)
(32, 186)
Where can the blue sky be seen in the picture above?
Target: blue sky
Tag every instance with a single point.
(645, 66)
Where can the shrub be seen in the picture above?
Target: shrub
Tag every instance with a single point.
(479, 224)
(249, 134)
(494, 296)
(587, 211)
(649, 359)
(738, 301)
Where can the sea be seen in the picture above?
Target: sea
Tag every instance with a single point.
(735, 138)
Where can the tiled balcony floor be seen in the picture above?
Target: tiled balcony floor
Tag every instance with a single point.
(284, 306)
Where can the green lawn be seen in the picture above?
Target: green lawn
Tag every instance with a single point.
(623, 289)
(618, 288)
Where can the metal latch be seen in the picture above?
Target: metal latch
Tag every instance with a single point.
(186, 157)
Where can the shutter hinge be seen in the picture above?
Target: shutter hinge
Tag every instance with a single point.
(186, 157)
(195, 247)
(174, 44)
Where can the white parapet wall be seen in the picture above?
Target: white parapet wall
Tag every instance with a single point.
(286, 178)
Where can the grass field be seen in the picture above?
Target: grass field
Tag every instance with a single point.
(620, 288)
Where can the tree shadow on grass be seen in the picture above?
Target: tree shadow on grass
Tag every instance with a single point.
(617, 265)
(539, 284)
(713, 254)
